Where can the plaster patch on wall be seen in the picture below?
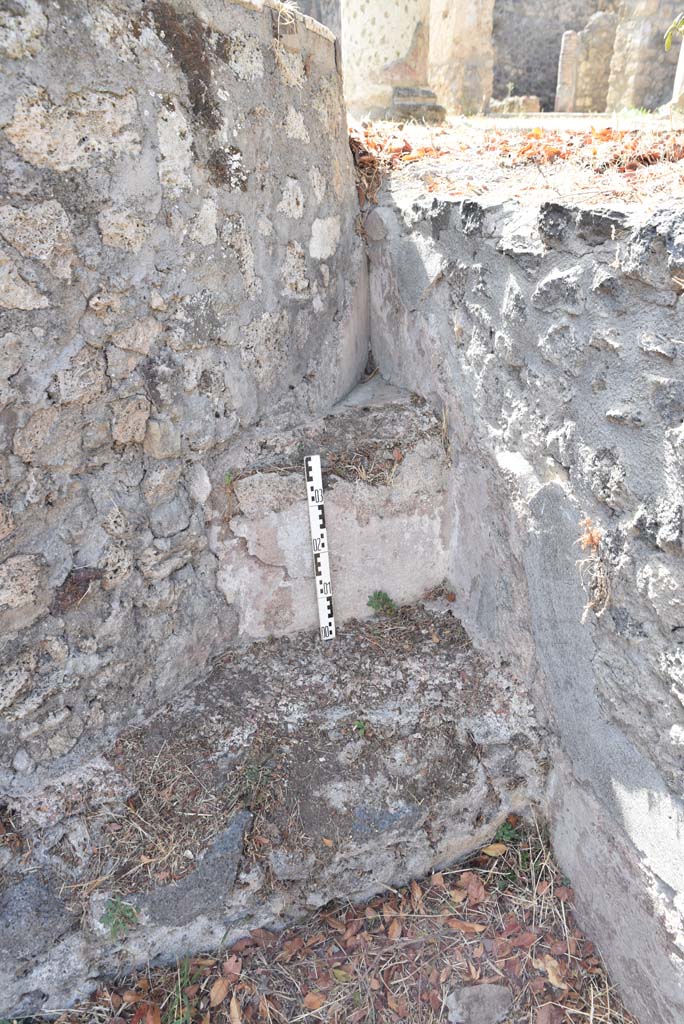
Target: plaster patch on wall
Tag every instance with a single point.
(325, 235)
(263, 349)
(295, 127)
(292, 203)
(111, 32)
(293, 271)
(22, 29)
(244, 57)
(122, 229)
(318, 183)
(204, 228)
(290, 64)
(234, 233)
(175, 145)
(90, 125)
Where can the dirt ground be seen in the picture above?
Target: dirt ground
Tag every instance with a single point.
(594, 160)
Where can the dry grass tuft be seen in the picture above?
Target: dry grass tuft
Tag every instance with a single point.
(173, 813)
(409, 626)
(593, 571)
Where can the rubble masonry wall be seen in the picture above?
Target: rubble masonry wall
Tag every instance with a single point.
(553, 338)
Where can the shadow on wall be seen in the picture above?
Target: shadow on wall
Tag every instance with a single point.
(325, 11)
(539, 331)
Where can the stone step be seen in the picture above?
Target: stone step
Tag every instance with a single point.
(415, 93)
(385, 472)
(296, 773)
(414, 103)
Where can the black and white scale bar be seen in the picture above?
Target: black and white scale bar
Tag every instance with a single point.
(319, 545)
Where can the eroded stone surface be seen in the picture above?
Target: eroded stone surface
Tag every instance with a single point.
(385, 476)
(481, 1004)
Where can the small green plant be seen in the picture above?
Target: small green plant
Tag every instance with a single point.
(257, 779)
(179, 1010)
(119, 917)
(379, 601)
(675, 29)
(229, 479)
(360, 728)
(506, 833)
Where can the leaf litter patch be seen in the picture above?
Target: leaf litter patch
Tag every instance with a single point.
(504, 917)
(579, 160)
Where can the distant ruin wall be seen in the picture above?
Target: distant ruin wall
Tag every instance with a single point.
(553, 339)
(584, 66)
(642, 74)
(178, 261)
(678, 91)
(527, 41)
(461, 55)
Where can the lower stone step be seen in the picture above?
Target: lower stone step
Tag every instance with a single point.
(296, 773)
(484, 943)
(415, 104)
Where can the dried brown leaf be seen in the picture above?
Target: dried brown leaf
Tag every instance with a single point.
(474, 886)
(335, 923)
(235, 1011)
(458, 895)
(553, 969)
(458, 925)
(232, 968)
(218, 991)
(495, 849)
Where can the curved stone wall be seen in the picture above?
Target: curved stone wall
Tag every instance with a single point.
(179, 264)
